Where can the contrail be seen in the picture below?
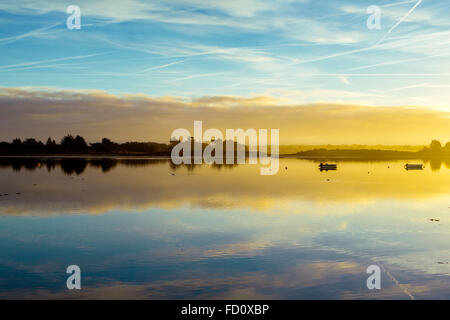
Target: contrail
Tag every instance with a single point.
(397, 3)
(422, 85)
(27, 34)
(50, 60)
(386, 45)
(162, 66)
(401, 20)
(398, 61)
(335, 55)
(196, 76)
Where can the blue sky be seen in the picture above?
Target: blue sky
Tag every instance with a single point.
(298, 51)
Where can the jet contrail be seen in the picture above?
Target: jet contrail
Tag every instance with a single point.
(162, 66)
(401, 20)
(50, 60)
(27, 34)
(397, 3)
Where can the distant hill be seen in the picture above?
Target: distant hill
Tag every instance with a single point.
(435, 150)
(292, 149)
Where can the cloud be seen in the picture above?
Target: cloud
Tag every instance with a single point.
(344, 80)
(249, 15)
(176, 12)
(41, 112)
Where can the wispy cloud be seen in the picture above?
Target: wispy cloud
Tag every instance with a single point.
(193, 48)
(344, 79)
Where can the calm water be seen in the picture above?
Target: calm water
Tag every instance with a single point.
(139, 232)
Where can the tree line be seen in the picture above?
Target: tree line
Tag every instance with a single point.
(71, 144)
(434, 150)
(436, 147)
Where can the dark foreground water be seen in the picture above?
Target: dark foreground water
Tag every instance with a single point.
(144, 229)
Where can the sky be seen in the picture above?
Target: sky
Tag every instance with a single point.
(298, 56)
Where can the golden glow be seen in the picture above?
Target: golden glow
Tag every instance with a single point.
(152, 186)
(138, 117)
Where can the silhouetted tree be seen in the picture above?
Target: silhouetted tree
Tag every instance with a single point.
(108, 145)
(30, 141)
(32, 145)
(447, 146)
(80, 143)
(50, 142)
(106, 141)
(435, 146)
(77, 144)
(67, 141)
(51, 146)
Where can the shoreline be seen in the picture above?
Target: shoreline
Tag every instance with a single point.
(83, 156)
(287, 156)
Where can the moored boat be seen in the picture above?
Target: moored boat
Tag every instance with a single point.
(327, 166)
(414, 166)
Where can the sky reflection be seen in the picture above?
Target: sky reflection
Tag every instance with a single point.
(139, 232)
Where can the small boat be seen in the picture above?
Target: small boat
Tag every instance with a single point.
(327, 166)
(412, 166)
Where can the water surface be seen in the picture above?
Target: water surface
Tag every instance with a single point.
(145, 229)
